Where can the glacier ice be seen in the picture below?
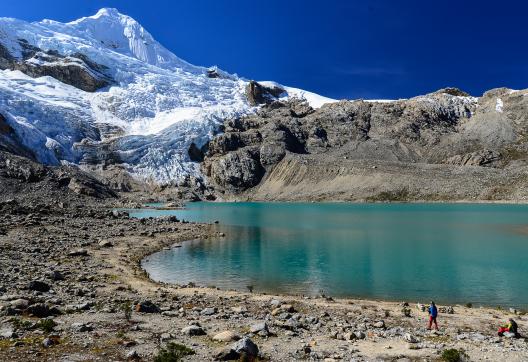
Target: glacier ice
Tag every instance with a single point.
(158, 102)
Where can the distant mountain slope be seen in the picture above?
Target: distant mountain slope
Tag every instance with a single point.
(445, 145)
(100, 90)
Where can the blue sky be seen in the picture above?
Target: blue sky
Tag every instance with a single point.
(341, 49)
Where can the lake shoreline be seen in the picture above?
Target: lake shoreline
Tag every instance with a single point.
(373, 231)
(140, 268)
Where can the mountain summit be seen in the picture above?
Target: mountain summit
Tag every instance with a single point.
(124, 35)
(101, 90)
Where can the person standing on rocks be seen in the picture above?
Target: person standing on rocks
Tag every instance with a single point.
(433, 313)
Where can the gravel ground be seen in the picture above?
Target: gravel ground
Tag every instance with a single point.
(78, 266)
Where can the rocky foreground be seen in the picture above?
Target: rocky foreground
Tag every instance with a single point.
(71, 289)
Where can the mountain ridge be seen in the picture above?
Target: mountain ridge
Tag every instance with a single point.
(99, 92)
(146, 90)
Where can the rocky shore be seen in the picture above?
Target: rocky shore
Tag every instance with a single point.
(71, 289)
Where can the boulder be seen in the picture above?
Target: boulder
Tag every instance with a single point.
(246, 346)
(226, 354)
(226, 336)
(20, 304)
(239, 309)
(38, 286)
(379, 324)
(82, 327)
(78, 252)
(208, 311)
(360, 335)
(47, 342)
(132, 355)
(410, 338)
(243, 349)
(261, 327)
(105, 244)
(42, 310)
(8, 334)
(349, 336)
(55, 275)
(193, 330)
(146, 307)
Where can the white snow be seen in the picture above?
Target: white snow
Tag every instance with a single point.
(313, 99)
(160, 103)
(499, 105)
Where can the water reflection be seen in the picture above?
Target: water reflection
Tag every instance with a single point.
(454, 253)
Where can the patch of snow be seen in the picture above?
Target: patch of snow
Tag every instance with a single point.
(499, 105)
(313, 99)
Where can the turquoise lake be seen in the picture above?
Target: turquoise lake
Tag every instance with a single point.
(452, 253)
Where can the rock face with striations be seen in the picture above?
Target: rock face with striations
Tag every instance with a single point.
(257, 93)
(288, 149)
(19, 172)
(76, 70)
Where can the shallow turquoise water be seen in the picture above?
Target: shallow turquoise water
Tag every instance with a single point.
(455, 253)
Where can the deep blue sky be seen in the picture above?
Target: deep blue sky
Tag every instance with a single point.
(341, 49)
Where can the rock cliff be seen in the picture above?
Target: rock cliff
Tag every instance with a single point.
(442, 146)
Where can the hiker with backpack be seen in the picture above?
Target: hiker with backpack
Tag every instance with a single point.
(433, 313)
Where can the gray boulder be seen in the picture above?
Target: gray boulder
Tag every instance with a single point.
(193, 330)
(260, 328)
(246, 346)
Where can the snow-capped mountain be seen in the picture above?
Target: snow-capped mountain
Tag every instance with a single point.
(102, 90)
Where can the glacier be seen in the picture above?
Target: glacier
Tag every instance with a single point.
(156, 106)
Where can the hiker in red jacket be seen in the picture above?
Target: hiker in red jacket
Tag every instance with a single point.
(510, 327)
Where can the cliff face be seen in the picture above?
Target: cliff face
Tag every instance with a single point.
(76, 70)
(441, 146)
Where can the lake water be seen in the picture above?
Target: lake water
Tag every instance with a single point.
(452, 253)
